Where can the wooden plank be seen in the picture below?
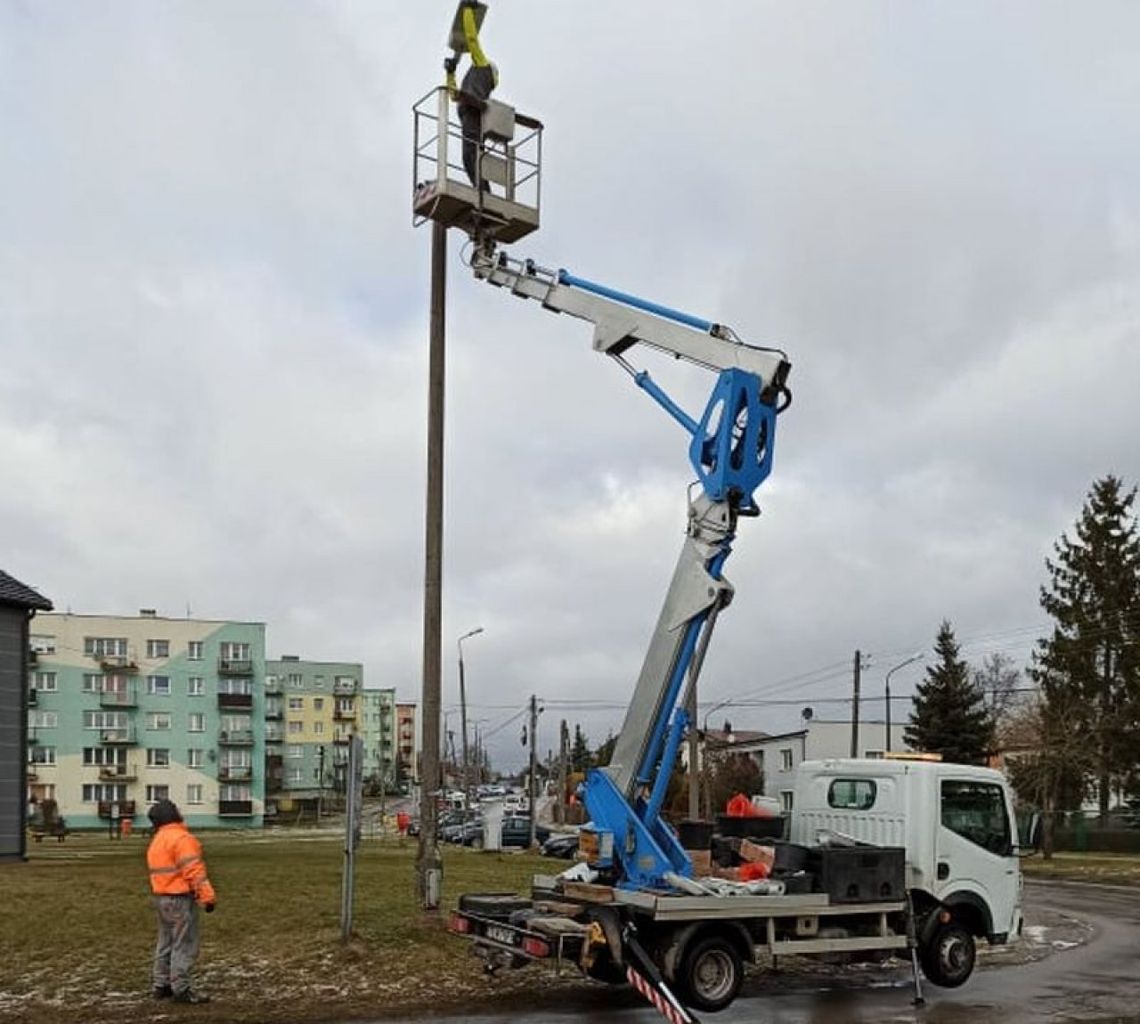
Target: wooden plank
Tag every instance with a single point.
(589, 892)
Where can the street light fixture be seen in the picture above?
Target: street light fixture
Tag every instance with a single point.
(463, 716)
(917, 656)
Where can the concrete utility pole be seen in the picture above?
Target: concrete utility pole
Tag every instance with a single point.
(855, 707)
(429, 863)
(563, 754)
(532, 794)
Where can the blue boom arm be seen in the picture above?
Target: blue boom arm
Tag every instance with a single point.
(730, 449)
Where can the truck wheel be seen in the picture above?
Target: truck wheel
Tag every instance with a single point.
(948, 958)
(711, 973)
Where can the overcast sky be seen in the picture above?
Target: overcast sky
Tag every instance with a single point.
(213, 329)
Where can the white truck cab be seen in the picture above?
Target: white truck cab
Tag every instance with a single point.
(955, 822)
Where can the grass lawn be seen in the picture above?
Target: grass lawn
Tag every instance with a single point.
(1108, 868)
(77, 930)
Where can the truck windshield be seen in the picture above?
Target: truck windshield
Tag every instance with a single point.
(977, 812)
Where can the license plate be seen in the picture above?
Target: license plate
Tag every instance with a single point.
(497, 933)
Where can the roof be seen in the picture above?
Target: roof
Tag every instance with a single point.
(732, 738)
(12, 591)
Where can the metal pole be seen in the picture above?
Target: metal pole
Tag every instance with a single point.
(918, 656)
(353, 780)
(463, 717)
(532, 795)
(563, 752)
(855, 707)
(429, 863)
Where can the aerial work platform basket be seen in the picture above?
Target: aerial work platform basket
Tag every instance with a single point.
(508, 167)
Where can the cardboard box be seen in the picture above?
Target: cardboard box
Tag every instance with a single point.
(702, 862)
(754, 853)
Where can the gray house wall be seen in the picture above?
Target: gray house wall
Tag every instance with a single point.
(13, 730)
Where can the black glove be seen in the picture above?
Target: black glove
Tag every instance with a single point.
(450, 64)
(208, 907)
(469, 3)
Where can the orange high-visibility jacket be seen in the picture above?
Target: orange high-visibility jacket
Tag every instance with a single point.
(174, 858)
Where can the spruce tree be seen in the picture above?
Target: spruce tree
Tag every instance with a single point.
(949, 716)
(1090, 665)
(579, 751)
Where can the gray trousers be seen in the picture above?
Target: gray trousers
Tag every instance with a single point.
(177, 946)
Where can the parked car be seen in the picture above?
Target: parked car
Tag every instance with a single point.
(516, 831)
(561, 844)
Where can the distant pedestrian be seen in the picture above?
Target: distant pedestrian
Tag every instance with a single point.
(113, 822)
(179, 881)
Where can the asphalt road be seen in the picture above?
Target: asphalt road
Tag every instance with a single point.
(1097, 981)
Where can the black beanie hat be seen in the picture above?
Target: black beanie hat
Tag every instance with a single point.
(164, 812)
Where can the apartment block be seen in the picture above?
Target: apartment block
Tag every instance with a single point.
(314, 708)
(124, 711)
(378, 714)
(407, 744)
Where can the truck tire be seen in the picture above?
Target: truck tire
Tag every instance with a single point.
(948, 955)
(711, 973)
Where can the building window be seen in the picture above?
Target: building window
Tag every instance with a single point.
(295, 728)
(43, 719)
(42, 643)
(94, 792)
(786, 759)
(244, 686)
(194, 793)
(234, 792)
(92, 682)
(194, 650)
(158, 720)
(296, 703)
(197, 722)
(318, 703)
(296, 774)
(318, 682)
(786, 801)
(41, 755)
(158, 757)
(233, 651)
(158, 648)
(296, 680)
(236, 723)
(295, 750)
(194, 757)
(158, 686)
(44, 682)
(195, 686)
(156, 793)
(105, 646)
(318, 727)
(105, 720)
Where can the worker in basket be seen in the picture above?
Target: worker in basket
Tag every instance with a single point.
(478, 84)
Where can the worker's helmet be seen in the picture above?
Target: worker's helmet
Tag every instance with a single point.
(164, 812)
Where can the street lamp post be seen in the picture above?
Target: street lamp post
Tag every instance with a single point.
(917, 656)
(463, 716)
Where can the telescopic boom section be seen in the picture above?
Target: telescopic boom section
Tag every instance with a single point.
(731, 451)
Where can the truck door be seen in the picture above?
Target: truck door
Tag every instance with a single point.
(975, 849)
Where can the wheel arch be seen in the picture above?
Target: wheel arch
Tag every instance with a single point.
(674, 946)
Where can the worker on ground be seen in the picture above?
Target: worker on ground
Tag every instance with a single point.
(478, 84)
(179, 882)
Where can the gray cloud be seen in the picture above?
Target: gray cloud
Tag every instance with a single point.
(213, 325)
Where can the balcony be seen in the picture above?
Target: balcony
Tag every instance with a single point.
(235, 667)
(31, 774)
(344, 687)
(273, 687)
(117, 663)
(342, 738)
(117, 773)
(236, 738)
(118, 737)
(33, 698)
(234, 773)
(126, 808)
(274, 736)
(344, 714)
(33, 657)
(118, 699)
(239, 701)
(235, 808)
(273, 711)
